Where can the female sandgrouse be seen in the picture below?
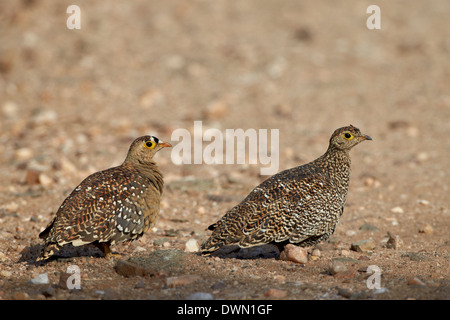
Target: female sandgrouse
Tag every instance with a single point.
(110, 206)
(301, 205)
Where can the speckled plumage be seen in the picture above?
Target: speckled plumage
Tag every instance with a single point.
(111, 206)
(301, 205)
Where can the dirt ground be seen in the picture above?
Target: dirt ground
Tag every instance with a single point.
(71, 101)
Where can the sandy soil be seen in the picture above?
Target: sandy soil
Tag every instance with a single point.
(71, 101)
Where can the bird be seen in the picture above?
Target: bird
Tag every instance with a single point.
(299, 206)
(111, 206)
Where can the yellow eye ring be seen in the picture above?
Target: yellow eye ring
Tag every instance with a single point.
(348, 136)
(149, 144)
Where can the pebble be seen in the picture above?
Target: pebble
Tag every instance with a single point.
(394, 241)
(283, 109)
(130, 269)
(368, 227)
(182, 280)
(372, 182)
(336, 266)
(23, 154)
(315, 254)
(295, 254)
(363, 245)
(397, 210)
(5, 274)
(191, 246)
(427, 229)
(45, 117)
(34, 176)
(200, 296)
(422, 156)
(40, 279)
(346, 293)
(10, 109)
(275, 293)
(139, 249)
(21, 296)
(350, 233)
(415, 281)
(423, 202)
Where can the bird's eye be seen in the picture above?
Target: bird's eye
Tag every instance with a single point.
(149, 144)
(348, 136)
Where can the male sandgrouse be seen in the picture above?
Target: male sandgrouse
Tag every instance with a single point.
(301, 205)
(110, 206)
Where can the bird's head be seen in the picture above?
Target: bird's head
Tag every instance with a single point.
(144, 148)
(346, 138)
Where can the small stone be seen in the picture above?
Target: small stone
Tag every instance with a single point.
(5, 274)
(345, 253)
(315, 253)
(350, 233)
(40, 279)
(295, 254)
(23, 154)
(422, 157)
(45, 180)
(10, 109)
(191, 246)
(21, 296)
(283, 109)
(423, 202)
(201, 210)
(275, 293)
(182, 280)
(140, 284)
(427, 229)
(394, 241)
(397, 210)
(160, 241)
(368, 227)
(130, 269)
(346, 293)
(337, 266)
(139, 249)
(63, 277)
(200, 296)
(32, 177)
(45, 117)
(415, 281)
(279, 278)
(363, 245)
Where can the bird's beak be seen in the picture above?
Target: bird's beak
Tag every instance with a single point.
(365, 137)
(165, 144)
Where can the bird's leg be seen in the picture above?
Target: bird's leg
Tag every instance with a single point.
(105, 248)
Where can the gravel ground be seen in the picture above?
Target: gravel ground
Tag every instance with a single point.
(71, 101)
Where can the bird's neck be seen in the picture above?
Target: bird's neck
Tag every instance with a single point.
(149, 170)
(337, 162)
